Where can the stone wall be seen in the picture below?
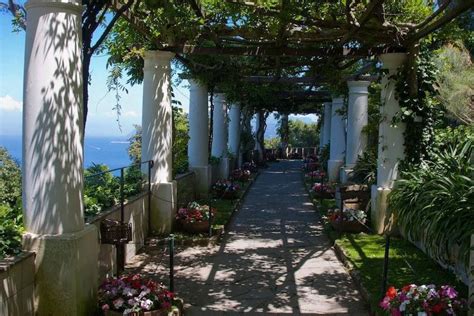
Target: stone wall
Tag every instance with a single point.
(186, 188)
(136, 213)
(17, 277)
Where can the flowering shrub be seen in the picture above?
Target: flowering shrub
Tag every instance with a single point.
(347, 215)
(225, 186)
(251, 166)
(321, 187)
(241, 174)
(315, 174)
(131, 294)
(423, 300)
(194, 213)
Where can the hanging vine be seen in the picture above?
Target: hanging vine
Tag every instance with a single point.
(419, 110)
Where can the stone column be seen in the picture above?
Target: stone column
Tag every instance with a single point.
(357, 118)
(66, 250)
(157, 138)
(391, 143)
(219, 135)
(234, 131)
(338, 139)
(327, 122)
(198, 150)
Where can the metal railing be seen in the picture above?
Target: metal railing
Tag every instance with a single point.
(120, 245)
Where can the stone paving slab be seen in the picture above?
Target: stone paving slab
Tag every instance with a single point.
(275, 259)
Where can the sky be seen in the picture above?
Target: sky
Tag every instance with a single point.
(101, 103)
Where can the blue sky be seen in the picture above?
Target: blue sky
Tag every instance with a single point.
(101, 103)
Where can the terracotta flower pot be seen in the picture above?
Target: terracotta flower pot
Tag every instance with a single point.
(196, 227)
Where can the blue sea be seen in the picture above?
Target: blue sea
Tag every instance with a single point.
(111, 151)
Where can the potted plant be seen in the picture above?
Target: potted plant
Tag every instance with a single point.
(323, 191)
(132, 295)
(423, 300)
(195, 217)
(348, 220)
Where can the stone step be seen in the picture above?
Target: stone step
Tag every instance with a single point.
(196, 311)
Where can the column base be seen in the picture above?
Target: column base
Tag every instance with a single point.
(163, 207)
(224, 168)
(203, 180)
(67, 274)
(333, 170)
(383, 221)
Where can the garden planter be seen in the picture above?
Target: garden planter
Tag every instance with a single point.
(196, 227)
(348, 227)
(324, 194)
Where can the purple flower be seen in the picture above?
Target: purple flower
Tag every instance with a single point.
(448, 291)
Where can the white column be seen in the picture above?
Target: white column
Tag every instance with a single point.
(391, 143)
(338, 139)
(357, 118)
(198, 150)
(219, 135)
(234, 129)
(66, 250)
(157, 137)
(327, 122)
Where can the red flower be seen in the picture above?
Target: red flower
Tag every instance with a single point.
(391, 292)
(438, 308)
(406, 288)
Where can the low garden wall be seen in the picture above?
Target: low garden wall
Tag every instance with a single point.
(17, 277)
(135, 213)
(186, 188)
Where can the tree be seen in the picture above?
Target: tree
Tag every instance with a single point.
(302, 134)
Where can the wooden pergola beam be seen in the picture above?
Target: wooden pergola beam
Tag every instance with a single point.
(340, 52)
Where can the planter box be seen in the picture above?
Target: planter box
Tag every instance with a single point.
(324, 194)
(197, 227)
(173, 312)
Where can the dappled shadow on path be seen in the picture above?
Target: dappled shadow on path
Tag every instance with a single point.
(274, 259)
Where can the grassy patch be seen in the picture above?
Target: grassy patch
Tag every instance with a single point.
(407, 264)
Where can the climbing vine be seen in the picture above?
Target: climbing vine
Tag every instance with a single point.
(419, 110)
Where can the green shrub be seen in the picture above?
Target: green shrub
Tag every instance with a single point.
(365, 170)
(434, 201)
(11, 216)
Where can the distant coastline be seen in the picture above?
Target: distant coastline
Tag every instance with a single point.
(111, 151)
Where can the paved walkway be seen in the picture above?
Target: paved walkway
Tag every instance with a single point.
(274, 260)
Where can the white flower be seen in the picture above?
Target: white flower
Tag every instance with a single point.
(422, 314)
(403, 306)
(144, 293)
(146, 304)
(118, 303)
(129, 291)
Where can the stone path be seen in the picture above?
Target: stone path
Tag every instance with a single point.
(274, 260)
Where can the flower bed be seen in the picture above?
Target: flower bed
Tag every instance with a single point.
(323, 191)
(133, 295)
(241, 175)
(423, 300)
(317, 174)
(195, 218)
(226, 189)
(348, 220)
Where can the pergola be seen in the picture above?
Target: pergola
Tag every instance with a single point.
(53, 111)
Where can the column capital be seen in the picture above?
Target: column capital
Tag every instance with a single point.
(392, 61)
(74, 6)
(157, 58)
(358, 86)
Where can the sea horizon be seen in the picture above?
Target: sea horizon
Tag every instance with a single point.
(107, 150)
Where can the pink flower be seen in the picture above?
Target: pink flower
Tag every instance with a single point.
(105, 307)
